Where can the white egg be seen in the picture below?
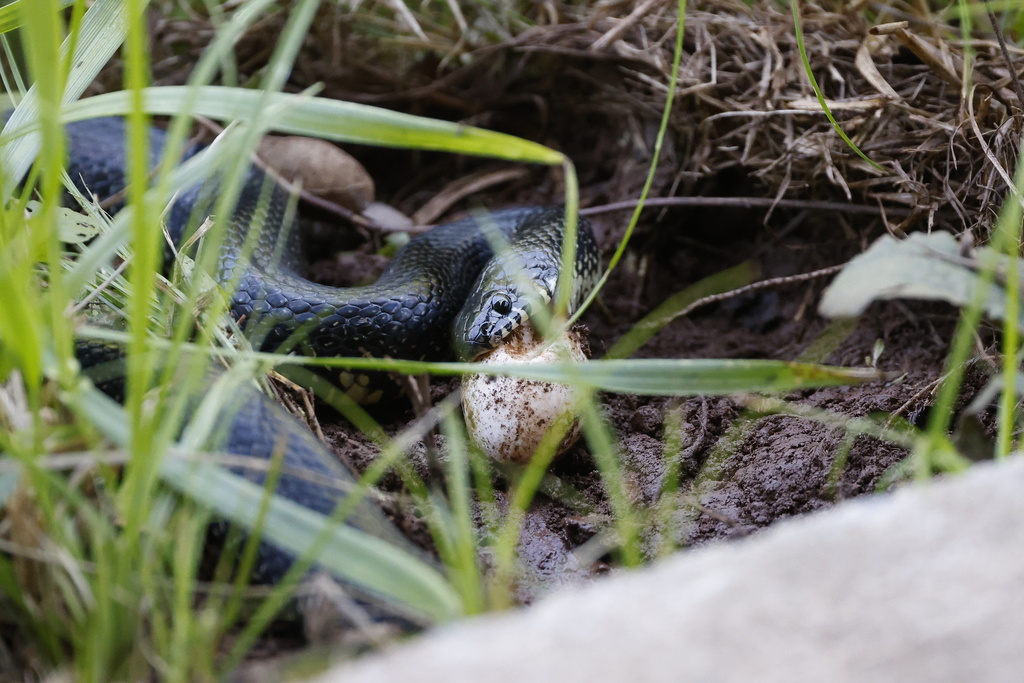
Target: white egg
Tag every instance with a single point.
(508, 417)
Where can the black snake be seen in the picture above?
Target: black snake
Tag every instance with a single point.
(410, 312)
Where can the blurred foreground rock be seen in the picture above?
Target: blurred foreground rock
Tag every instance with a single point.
(923, 585)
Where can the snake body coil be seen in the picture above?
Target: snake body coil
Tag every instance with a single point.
(407, 313)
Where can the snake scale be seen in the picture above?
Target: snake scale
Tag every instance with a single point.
(444, 293)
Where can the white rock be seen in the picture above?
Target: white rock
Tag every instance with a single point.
(926, 585)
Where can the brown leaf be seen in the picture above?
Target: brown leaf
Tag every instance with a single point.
(319, 168)
(866, 66)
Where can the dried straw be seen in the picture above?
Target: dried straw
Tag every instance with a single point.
(592, 79)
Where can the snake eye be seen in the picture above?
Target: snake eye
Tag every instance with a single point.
(502, 305)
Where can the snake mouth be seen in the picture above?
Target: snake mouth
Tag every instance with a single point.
(480, 344)
(488, 336)
(472, 350)
(493, 335)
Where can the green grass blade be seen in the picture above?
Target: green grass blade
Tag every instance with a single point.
(677, 304)
(799, 31)
(693, 377)
(11, 16)
(357, 556)
(103, 29)
(366, 560)
(673, 84)
(605, 448)
(647, 376)
(934, 447)
(328, 119)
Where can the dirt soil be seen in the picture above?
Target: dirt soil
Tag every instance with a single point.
(740, 471)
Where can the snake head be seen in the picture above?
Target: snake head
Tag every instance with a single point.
(521, 281)
(488, 316)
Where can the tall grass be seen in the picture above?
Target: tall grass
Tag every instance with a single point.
(104, 519)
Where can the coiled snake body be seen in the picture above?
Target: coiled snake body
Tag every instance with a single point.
(407, 313)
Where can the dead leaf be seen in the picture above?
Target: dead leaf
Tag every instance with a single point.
(320, 168)
(923, 266)
(938, 58)
(866, 66)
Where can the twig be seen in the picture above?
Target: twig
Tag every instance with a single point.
(625, 24)
(763, 284)
(462, 188)
(1006, 56)
(747, 203)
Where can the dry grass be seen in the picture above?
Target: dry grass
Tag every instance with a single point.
(592, 80)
